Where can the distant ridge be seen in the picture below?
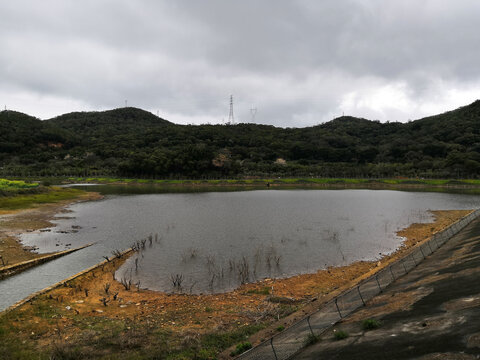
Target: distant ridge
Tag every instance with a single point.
(128, 114)
(134, 142)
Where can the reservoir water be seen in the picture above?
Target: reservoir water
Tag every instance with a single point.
(214, 241)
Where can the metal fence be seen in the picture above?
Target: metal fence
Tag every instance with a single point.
(290, 341)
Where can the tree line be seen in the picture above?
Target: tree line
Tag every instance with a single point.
(130, 142)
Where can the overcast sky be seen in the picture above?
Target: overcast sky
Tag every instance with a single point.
(299, 63)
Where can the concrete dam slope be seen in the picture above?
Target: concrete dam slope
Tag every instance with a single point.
(433, 312)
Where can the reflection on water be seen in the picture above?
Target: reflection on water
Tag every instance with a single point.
(214, 241)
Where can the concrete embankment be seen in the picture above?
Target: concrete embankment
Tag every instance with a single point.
(433, 312)
(24, 265)
(64, 281)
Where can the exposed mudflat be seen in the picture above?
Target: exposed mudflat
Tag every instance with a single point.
(15, 222)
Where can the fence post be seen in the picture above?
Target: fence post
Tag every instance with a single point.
(273, 349)
(339, 313)
(361, 297)
(378, 283)
(310, 326)
(431, 251)
(420, 247)
(391, 272)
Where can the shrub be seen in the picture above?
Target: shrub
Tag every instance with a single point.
(280, 328)
(370, 324)
(340, 335)
(241, 348)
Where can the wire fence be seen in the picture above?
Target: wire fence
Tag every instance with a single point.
(290, 341)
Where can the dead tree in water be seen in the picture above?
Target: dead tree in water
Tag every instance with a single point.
(117, 253)
(243, 270)
(126, 283)
(177, 280)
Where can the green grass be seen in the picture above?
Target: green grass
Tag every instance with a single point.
(12, 347)
(285, 181)
(15, 185)
(371, 324)
(24, 201)
(262, 291)
(241, 348)
(340, 335)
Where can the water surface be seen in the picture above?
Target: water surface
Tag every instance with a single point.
(214, 241)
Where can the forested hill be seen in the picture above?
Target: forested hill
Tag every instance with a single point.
(133, 142)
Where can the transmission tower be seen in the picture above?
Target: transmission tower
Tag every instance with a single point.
(253, 113)
(231, 119)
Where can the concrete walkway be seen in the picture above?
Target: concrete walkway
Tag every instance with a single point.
(431, 313)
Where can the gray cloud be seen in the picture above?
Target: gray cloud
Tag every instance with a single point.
(299, 62)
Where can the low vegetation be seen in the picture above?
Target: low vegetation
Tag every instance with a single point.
(279, 181)
(14, 187)
(104, 338)
(27, 200)
(371, 324)
(241, 348)
(340, 335)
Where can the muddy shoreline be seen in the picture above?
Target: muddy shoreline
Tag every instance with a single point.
(16, 222)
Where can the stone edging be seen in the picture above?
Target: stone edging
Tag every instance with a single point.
(9, 270)
(61, 283)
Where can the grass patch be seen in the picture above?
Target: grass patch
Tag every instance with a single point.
(340, 335)
(307, 181)
(241, 348)
(15, 185)
(280, 328)
(12, 347)
(220, 341)
(371, 324)
(10, 188)
(100, 337)
(262, 291)
(25, 201)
